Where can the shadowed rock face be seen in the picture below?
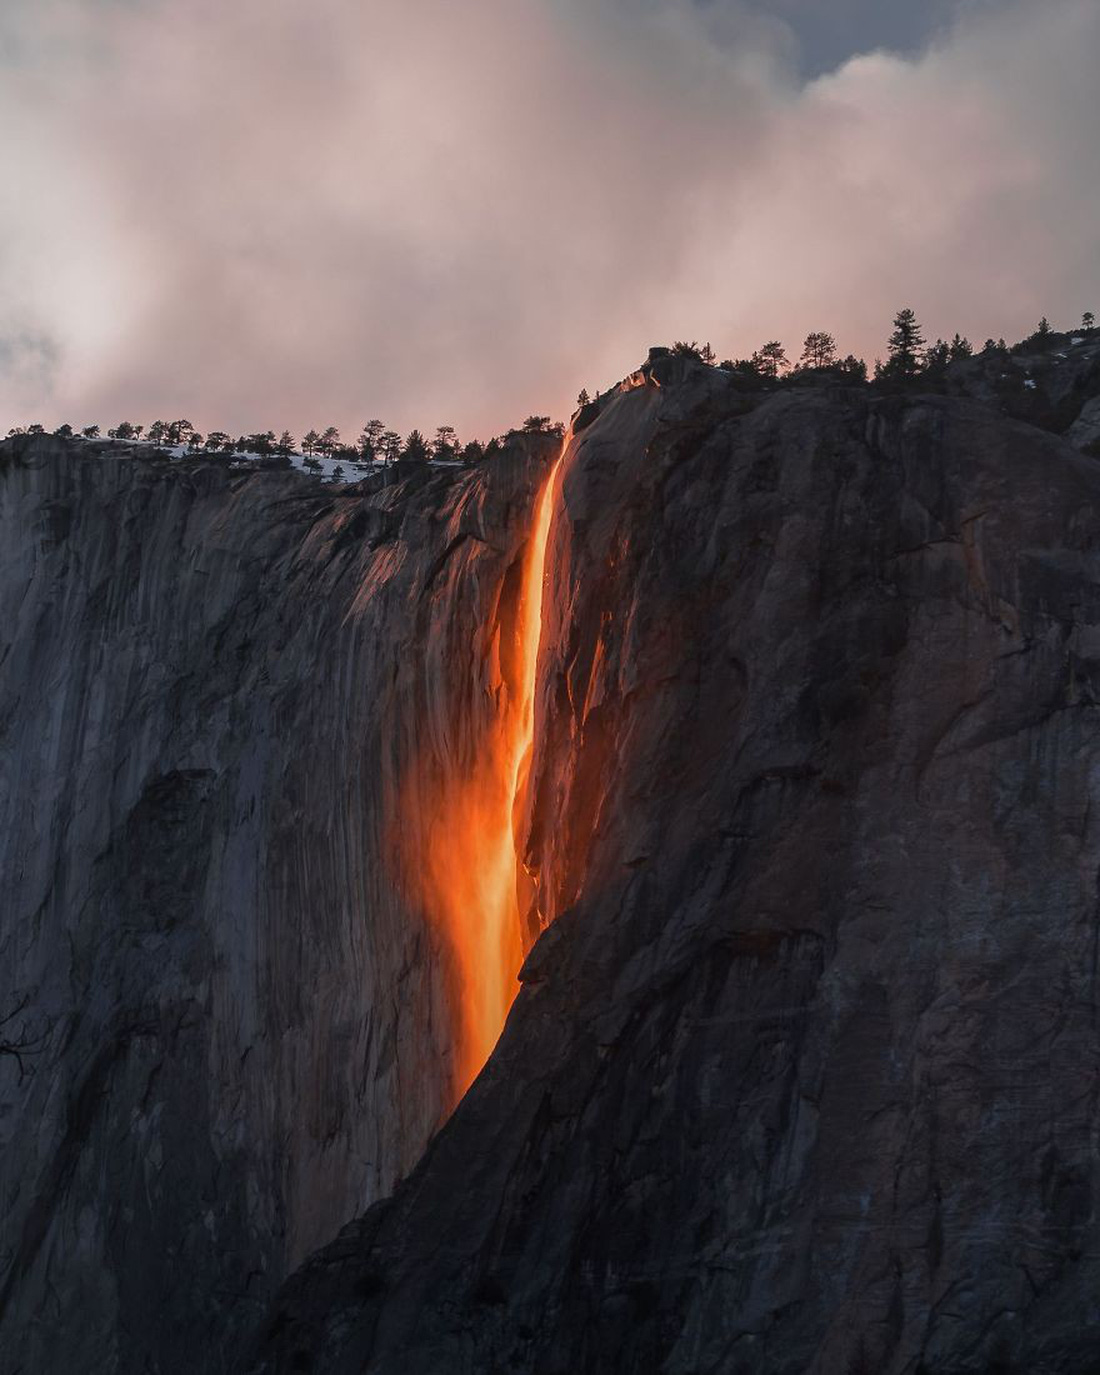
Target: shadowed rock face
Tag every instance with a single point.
(212, 689)
(804, 1075)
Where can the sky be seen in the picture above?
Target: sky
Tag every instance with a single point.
(264, 214)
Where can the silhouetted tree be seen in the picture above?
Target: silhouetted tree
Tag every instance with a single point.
(474, 452)
(852, 369)
(36, 429)
(138, 431)
(819, 350)
(1044, 329)
(262, 444)
(370, 440)
(536, 424)
(416, 448)
(390, 444)
(905, 345)
(178, 430)
(194, 441)
(492, 448)
(445, 443)
(64, 432)
(961, 348)
(584, 399)
(286, 444)
(683, 349)
(936, 358)
(771, 360)
(329, 440)
(217, 439)
(157, 431)
(90, 431)
(310, 440)
(707, 355)
(1088, 322)
(16, 429)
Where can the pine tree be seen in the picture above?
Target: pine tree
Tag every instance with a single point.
(416, 448)
(905, 346)
(310, 440)
(177, 431)
(536, 424)
(1088, 322)
(852, 369)
(706, 354)
(771, 360)
(370, 440)
(583, 399)
(445, 444)
(936, 359)
(390, 444)
(819, 350)
(961, 348)
(286, 444)
(90, 431)
(329, 440)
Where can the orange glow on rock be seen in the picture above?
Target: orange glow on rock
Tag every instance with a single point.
(470, 880)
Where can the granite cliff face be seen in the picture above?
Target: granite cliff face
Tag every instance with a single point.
(213, 688)
(802, 1073)
(803, 1076)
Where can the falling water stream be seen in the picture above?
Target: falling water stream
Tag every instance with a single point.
(472, 876)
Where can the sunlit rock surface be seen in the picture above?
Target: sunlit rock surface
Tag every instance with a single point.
(235, 1027)
(803, 1078)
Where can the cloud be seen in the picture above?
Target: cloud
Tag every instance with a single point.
(268, 214)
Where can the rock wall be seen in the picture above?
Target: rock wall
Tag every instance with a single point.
(235, 1029)
(803, 1076)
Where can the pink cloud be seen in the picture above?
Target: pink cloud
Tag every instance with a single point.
(266, 214)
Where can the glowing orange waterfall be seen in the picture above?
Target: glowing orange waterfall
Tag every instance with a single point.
(471, 885)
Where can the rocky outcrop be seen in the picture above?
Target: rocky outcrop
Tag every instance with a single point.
(802, 1077)
(232, 1025)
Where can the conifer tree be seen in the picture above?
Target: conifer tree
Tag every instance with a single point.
(416, 448)
(905, 346)
(961, 348)
(771, 360)
(819, 350)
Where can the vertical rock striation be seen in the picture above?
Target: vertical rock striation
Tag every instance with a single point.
(802, 1077)
(238, 1027)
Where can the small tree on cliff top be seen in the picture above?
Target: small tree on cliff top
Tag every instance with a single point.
(906, 345)
(819, 350)
(771, 360)
(416, 448)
